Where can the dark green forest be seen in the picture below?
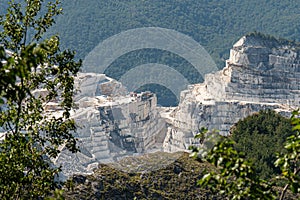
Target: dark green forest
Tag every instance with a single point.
(261, 136)
(214, 24)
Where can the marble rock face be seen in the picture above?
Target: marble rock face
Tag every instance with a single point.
(260, 74)
(112, 124)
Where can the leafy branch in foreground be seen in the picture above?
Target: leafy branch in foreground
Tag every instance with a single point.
(34, 74)
(236, 178)
(289, 162)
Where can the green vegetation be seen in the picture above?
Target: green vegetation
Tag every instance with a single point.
(261, 136)
(271, 41)
(289, 162)
(31, 137)
(236, 177)
(222, 172)
(33, 72)
(178, 180)
(215, 24)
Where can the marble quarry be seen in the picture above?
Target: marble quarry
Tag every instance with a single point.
(260, 74)
(112, 124)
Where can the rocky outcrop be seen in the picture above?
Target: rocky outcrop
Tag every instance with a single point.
(261, 73)
(112, 124)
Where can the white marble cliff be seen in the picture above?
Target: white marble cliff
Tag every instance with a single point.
(112, 124)
(261, 73)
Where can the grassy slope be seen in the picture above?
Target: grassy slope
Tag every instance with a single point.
(178, 180)
(175, 181)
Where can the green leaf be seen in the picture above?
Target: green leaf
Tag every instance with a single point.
(32, 134)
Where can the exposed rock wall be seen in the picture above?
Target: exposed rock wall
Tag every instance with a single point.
(259, 74)
(111, 124)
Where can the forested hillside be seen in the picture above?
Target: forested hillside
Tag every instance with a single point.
(215, 24)
(261, 136)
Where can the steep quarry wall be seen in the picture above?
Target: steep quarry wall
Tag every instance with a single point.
(112, 124)
(260, 74)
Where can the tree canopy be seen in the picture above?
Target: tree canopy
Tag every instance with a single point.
(236, 177)
(261, 136)
(34, 73)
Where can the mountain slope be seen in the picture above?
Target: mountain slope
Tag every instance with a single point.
(214, 24)
(176, 181)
